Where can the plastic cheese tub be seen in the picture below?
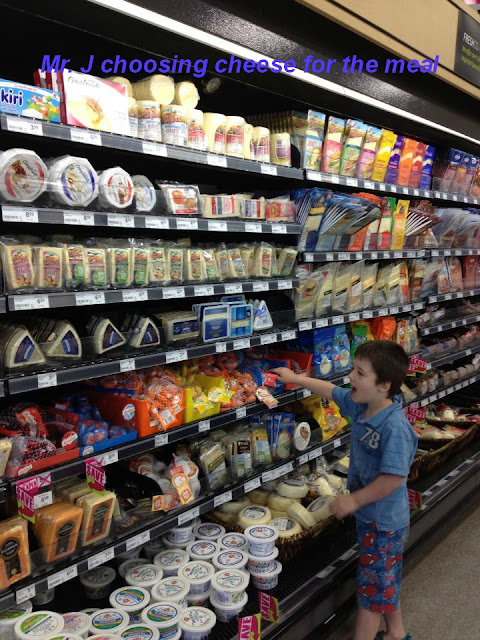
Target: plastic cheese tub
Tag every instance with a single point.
(112, 621)
(173, 589)
(199, 600)
(145, 575)
(202, 550)
(97, 582)
(103, 636)
(261, 539)
(132, 600)
(76, 623)
(229, 586)
(262, 565)
(209, 531)
(196, 623)
(179, 535)
(176, 545)
(171, 561)
(125, 567)
(164, 616)
(39, 625)
(141, 631)
(230, 559)
(199, 574)
(152, 548)
(267, 581)
(10, 617)
(233, 541)
(226, 612)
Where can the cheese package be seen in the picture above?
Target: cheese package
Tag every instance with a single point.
(75, 266)
(23, 175)
(97, 267)
(19, 349)
(235, 263)
(144, 333)
(14, 551)
(116, 189)
(179, 325)
(195, 265)
(211, 267)
(174, 125)
(56, 528)
(158, 87)
(222, 263)
(145, 195)
(286, 261)
(332, 146)
(186, 94)
(214, 125)
(97, 516)
(263, 261)
(17, 266)
(120, 266)
(280, 149)
(63, 342)
(248, 141)
(399, 224)
(159, 272)
(133, 116)
(180, 199)
(248, 257)
(48, 267)
(387, 141)
(73, 181)
(73, 492)
(5, 448)
(197, 138)
(149, 121)
(323, 303)
(235, 128)
(140, 266)
(175, 261)
(251, 209)
(261, 144)
(219, 207)
(105, 335)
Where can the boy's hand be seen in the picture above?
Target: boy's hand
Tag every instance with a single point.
(343, 506)
(285, 375)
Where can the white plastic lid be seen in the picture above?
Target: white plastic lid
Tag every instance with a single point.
(9, 617)
(227, 607)
(202, 549)
(301, 436)
(171, 559)
(23, 175)
(230, 580)
(209, 531)
(75, 181)
(197, 620)
(262, 559)
(162, 614)
(109, 620)
(99, 577)
(125, 567)
(197, 572)
(76, 622)
(130, 599)
(230, 559)
(174, 588)
(261, 533)
(276, 569)
(233, 541)
(39, 624)
(141, 631)
(145, 575)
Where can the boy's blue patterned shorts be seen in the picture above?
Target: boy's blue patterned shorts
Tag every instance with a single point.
(379, 575)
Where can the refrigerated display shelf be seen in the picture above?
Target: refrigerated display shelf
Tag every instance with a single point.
(468, 293)
(452, 357)
(380, 254)
(449, 324)
(429, 398)
(319, 323)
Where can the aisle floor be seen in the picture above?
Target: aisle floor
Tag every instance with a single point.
(440, 587)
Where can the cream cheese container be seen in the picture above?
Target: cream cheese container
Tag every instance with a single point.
(261, 539)
(196, 623)
(180, 534)
(111, 621)
(145, 196)
(233, 541)
(145, 576)
(202, 550)
(164, 616)
(171, 561)
(268, 580)
(229, 586)
(23, 175)
(199, 574)
(76, 623)
(10, 617)
(226, 612)
(209, 531)
(262, 565)
(173, 589)
(132, 600)
(140, 631)
(230, 559)
(39, 625)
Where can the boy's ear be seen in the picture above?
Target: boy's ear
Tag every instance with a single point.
(385, 387)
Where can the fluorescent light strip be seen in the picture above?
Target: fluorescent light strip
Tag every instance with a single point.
(146, 15)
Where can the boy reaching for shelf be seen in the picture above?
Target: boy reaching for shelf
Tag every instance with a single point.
(383, 446)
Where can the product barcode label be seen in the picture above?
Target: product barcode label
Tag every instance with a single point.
(176, 356)
(252, 227)
(45, 380)
(135, 296)
(188, 515)
(203, 425)
(222, 499)
(30, 303)
(154, 149)
(152, 222)
(62, 576)
(251, 485)
(81, 219)
(17, 214)
(100, 558)
(137, 540)
(87, 299)
(170, 293)
(127, 365)
(21, 125)
(86, 137)
(215, 225)
(184, 224)
(206, 290)
(25, 594)
(161, 439)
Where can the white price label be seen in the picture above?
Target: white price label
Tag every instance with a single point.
(252, 227)
(353, 317)
(441, 482)
(215, 160)
(220, 347)
(313, 455)
(244, 343)
(86, 137)
(151, 222)
(333, 179)
(87, 299)
(215, 225)
(267, 476)
(344, 256)
(289, 335)
(305, 325)
(306, 393)
(260, 286)
(423, 403)
(188, 515)
(62, 576)
(184, 224)
(448, 296)
(30, 303)
(241, 413)
(314, 175)
(471, 292)
(176, 356)
(338, 319)
(454, 473)
(154, 149)
(475, 201)
(251, 485)
(100, 558)
(137, 540)
(127, 365)
(45, 380)
(161, 439)
(418, 305)
(405, 191)
(358, 256)
(203, 425)
(368, 185)
(382, 187)
(268, 169)
(222, 499)
(325, 572)
(206, 290)
(27, 593)
(17, 214)
(110, 457)
(416, 192)
(233, 288)
(43, 499)
(135, 295)
(442, 394)
(329, 257)
(468, 352)
(397, 254)
(284, 284)
(279, 228)
(308, 257)
(386, 254)
(437, 194)
(303, 459)
(367, 315)
(269, 338)
(348, 554)
(337, 443)
(319, 324)
(128, 222)
(455, 198)
(20, 125)
(82, 219)
(411, 254)
(434, 398)
(383, 312)
(170, 293)
(393, 189)
(444, 196)
(115, 220)
(393, 310)
(352, 182)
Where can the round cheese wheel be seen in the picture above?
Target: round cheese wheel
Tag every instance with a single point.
(73, 181)
(287, 527)
(322, 486)
(145, 196)
(335, 482)
(235, 506)
(259, 496)
(23, 175)
(158, 88)
(301, 436)
(125, 81)
(186, 94)
(320, 508)
(278, 514)
(280, 503)
(254, 515)
(292, 489)
(115, 188)
(301, 515)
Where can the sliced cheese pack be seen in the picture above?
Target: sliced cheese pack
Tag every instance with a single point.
(97, 516)
(17, 266)
(63, 342)
(19, 349)
(105, 335)
(97, 267)
(57, 527)
(75, 267)
(14, 556)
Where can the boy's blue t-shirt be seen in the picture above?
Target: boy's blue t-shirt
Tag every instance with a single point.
(385, 443)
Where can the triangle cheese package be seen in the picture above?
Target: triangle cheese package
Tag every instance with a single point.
(105, 335)
(142, 330)
(57, 338)
(19, 349)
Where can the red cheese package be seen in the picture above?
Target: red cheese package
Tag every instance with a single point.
(469, 270)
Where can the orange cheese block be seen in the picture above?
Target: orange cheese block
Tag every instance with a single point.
(57, 527)
(97, 516)
(14, 551)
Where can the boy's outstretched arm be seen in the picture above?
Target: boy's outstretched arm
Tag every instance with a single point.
(319, 387)
(381, 487)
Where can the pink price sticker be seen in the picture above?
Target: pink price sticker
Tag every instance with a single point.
(269, 609)
(95, 475)
(250, 627)
(26, 491)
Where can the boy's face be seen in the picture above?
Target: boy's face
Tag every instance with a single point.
(364, 383)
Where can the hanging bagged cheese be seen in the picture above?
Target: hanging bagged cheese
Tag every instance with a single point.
(56, 529)
(158, 88)
(195, 265)
(14, 551)
(97, 516)
(17, 266)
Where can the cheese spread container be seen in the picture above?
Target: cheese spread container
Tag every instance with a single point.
(199, 600)
(233, 541)
(163, 616)
(229, 586)
(132, 600)
(125, 567)
(226, 612)
(202, 550)
(177, 545)
(261, 539)
(173, 589)
(77, 623)
(235, 131)
(145, 196)
(140, 631)
(39, 625)
(209, 531)
(73, 181)
(171, 561)
(109, 620)
(199, 574)
(23, 175)
(262, 565)
(196, 623)
(10, 617)
(230, 559)
(97, 582)
(145, 576)
(180, 534)
(115, 188)
(267, 580)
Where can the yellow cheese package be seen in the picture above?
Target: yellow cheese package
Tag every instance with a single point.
(195, 265)
(213, 463)
(97, 516)
(404, 293)
(399, 224)
(263, 261)
(327, 275)
(380, 295)
(222, 263)
(141, 256)
(327, 414)
(48, 267)
(368, 282)
(248, 257)
(286, 261)
(56, 529)
(18, 347)
(15, 557)
(235, 264)
(260, 446)
(159, 272)
(97, 267)
(342, 289)
(306, 295)
(175, 259)
(355, 292)
(392, 284)
(120, 266)
(387, 141)
(17, 266)
(75, 267)
(210, 264)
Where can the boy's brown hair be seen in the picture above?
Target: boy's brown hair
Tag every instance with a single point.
(388, 360)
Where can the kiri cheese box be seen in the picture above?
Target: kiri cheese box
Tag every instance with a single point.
(26, 100)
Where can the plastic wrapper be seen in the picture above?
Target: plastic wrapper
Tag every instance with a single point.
(239, 454)
(263, 262)
(341, 350)
(213, 463)
(322, 355)
(306, 295)
(211, 266)
(97, 276)
(355, 292)
(342, 288)
(323, 303)
(176, 261)
(223, 265)
(369, 279)
(180, 199)
(195, 265)
(17, 262)
(159, 265)
(455, 274)
(141, 256)
(119, 259)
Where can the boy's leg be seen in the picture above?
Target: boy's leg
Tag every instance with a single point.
(395, 628)
(367, 624)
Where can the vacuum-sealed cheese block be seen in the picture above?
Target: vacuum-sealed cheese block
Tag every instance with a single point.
(97, 516)
(235, 263)
(97, 266)
(286, 261)
(48, 265)
(75, 266)
(20, 349)
(77, 490)
(115, 188)
(186, 94)
(158, 88)
(56, 529)
(63, 342)
(124, 81)
(211, 267)
(140, 266)
(105, 335)
(14, 551)
(214, 126)
(222, 264)
(158, 266)
(248, 257)
(263, 261)
(5, 448)
(175, 264)
(17, 267)
(23, 175)
(120, 266)
(195, 265)
(73, 181)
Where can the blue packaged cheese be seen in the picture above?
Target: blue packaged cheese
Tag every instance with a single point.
(26, 100)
